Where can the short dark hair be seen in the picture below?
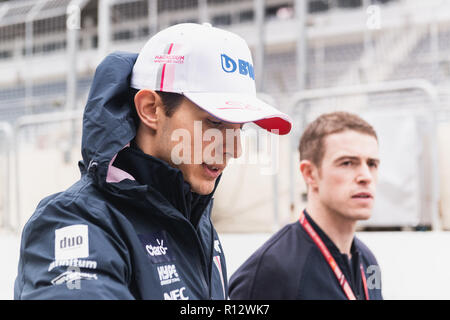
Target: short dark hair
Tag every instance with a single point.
(170, 100)
(312, 141)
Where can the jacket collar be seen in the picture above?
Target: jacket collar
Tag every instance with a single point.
(160, 177)
(328, 242)
(349, 267)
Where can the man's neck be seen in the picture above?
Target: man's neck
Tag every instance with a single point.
(339, 229)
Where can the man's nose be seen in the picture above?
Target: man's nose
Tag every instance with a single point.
(364, 174)
(233, 147)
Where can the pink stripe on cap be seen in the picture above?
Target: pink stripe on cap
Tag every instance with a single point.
(169, 77)
(163, 74)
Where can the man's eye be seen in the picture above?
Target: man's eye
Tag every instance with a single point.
(215, 123)
(373, 164)
(346, 163)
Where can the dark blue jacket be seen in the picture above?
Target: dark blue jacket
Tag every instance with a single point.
(290, 266)
(130, 228)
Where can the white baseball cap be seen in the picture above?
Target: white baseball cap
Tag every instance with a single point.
(211, 67)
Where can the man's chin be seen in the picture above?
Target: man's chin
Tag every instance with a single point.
(356, 214)
(203, 188)
(362, 214)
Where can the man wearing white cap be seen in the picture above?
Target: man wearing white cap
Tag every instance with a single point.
(158, 130)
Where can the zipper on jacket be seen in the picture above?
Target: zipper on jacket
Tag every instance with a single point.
(211, 257)
(205, 266)
(202, 265)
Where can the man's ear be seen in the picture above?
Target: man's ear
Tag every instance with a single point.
(310, 173)
(148, 107)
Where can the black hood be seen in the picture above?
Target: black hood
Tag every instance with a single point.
(108, 123)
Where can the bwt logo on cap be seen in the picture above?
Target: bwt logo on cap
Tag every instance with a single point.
(229, 66)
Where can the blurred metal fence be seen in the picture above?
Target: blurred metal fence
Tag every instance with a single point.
(46, 150)
(6, 136)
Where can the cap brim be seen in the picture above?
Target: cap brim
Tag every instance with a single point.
(242, 108)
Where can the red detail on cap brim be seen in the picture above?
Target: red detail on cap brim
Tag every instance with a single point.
(271, 124)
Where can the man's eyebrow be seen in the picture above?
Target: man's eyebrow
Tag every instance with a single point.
(347, 157)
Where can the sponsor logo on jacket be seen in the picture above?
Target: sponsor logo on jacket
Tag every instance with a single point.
(217, 246)
(72, 242)
(168, 274)
(177, 294)
(72, 278)
(80, 263)
(159, 250)
(157, 247)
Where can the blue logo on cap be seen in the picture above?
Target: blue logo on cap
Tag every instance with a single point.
(229, 66)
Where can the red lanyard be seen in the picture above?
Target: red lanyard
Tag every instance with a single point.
(332, 262)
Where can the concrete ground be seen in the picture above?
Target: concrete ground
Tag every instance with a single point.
(414, 265)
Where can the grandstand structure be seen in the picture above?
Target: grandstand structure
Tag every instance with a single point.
(344, 43)
(33, 37)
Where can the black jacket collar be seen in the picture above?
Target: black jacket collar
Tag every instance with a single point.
(327, 241)
(160, 177)
(350, 268)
